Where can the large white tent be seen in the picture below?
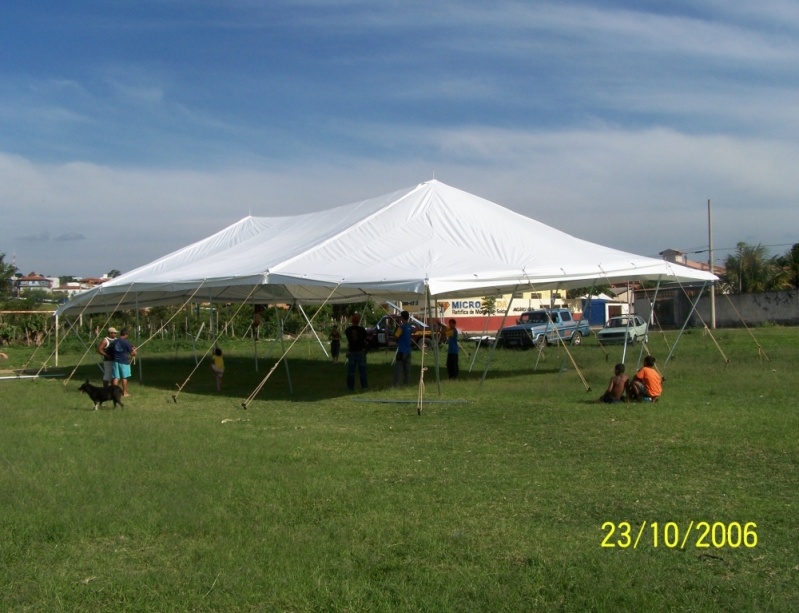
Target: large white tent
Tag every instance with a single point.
(429, 239)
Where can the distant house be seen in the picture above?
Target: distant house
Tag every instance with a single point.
(34, 281)
(89, 282)
(678, 257)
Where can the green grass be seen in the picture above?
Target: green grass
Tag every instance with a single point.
(324, 500)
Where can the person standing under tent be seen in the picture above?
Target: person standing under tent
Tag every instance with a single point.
(123, 352)
(356, 353)
(452, 349)
(106, 349)
(335, 344)
(218, 367)
(403, 335)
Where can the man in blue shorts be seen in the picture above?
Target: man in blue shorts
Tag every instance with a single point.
(123, 352)
(403, 336)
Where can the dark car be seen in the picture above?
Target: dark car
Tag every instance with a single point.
(381, 335)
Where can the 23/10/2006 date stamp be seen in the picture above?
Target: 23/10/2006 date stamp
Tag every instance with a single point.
(702, 534)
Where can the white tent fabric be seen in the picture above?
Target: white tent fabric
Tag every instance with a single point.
(393, 247)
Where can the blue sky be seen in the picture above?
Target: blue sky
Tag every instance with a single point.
(131, 128)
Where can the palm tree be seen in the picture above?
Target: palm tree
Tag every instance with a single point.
(750, 269)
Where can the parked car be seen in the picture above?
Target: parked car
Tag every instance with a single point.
(633, 327)
(381, 335)
(544, 327)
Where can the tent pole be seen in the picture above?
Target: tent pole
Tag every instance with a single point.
(649, 323)
(480, 341)
(254, 342)
(319, 340)
(685, 323)
(283, 347)
(138, 339)
(496, 340)
(434, 336)
(627, 327)
(56, 340)
(586, 309)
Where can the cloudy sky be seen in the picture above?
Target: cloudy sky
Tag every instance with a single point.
(129, 128)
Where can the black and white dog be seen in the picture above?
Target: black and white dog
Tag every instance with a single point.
(100, 394)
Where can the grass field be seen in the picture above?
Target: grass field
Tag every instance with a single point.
(498, 499)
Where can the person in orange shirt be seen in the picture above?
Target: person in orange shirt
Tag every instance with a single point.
(647, 384)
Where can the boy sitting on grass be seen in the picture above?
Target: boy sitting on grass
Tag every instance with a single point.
(646, 385)
(616, 387)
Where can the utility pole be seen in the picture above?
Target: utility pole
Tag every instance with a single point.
(710, 267)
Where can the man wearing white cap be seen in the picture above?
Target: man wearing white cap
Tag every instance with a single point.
(106, 349)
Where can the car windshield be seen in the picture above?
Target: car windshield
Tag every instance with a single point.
(619, 322)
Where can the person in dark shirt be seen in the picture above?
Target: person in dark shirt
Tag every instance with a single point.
(452, 349)
(356, 353)
(404, 337)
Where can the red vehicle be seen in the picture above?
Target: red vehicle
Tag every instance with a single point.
(381, 335)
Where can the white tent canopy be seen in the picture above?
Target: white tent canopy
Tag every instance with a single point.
(395, 247)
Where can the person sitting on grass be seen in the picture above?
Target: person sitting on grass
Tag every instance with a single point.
(646, 385)
(616, 387)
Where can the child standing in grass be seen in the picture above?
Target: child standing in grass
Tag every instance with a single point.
(616, 387)
(335, 344)
(218, 367)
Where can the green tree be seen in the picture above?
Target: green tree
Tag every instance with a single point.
(7, 272)
(488, 305)
(790, 262)
(583, 291)
(750, 269)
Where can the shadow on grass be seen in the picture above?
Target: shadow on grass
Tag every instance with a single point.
(305, 379)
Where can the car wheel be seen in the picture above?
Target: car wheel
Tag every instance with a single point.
(577, 339)
(424, 343)
(634, 341)
(541, 342)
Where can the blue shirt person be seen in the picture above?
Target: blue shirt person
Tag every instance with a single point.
(452, 349)
(403, 335)
(123, 352)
